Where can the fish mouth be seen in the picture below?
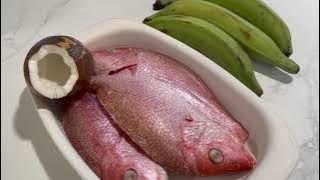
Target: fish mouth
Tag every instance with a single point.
(250, 159)
(246, 162)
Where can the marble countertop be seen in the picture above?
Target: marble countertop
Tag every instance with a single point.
(28, 152)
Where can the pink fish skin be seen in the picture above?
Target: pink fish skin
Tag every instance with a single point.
(105, 148)
(169, 112)
(156, 68)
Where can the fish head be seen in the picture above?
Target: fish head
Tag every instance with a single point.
(216, 150)
(130, 166)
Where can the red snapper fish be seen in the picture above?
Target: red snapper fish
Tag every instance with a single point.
(103, 146)
(169, 113)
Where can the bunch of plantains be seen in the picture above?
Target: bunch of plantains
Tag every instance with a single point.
(229, 32)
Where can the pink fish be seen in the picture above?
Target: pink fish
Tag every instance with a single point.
(169, 113)
(105, 148)
(168, 74)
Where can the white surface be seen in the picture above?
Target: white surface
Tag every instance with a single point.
(270, 139)
(27, 151)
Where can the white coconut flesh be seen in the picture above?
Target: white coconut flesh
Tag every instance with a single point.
(53, 72)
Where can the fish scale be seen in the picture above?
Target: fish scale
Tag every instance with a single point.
(154, 112)
(157, 69)
(104, 147)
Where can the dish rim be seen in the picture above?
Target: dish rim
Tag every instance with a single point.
(91, 35)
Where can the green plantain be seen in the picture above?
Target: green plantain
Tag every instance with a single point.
(213, 43)
(159, 4)
(259, 45)
(257, 13)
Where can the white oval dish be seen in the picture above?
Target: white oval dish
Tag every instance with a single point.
(270, 139)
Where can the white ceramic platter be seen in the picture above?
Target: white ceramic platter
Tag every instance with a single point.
(270, 139)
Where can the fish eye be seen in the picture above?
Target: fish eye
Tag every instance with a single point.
(130, 174)
(216, 156)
